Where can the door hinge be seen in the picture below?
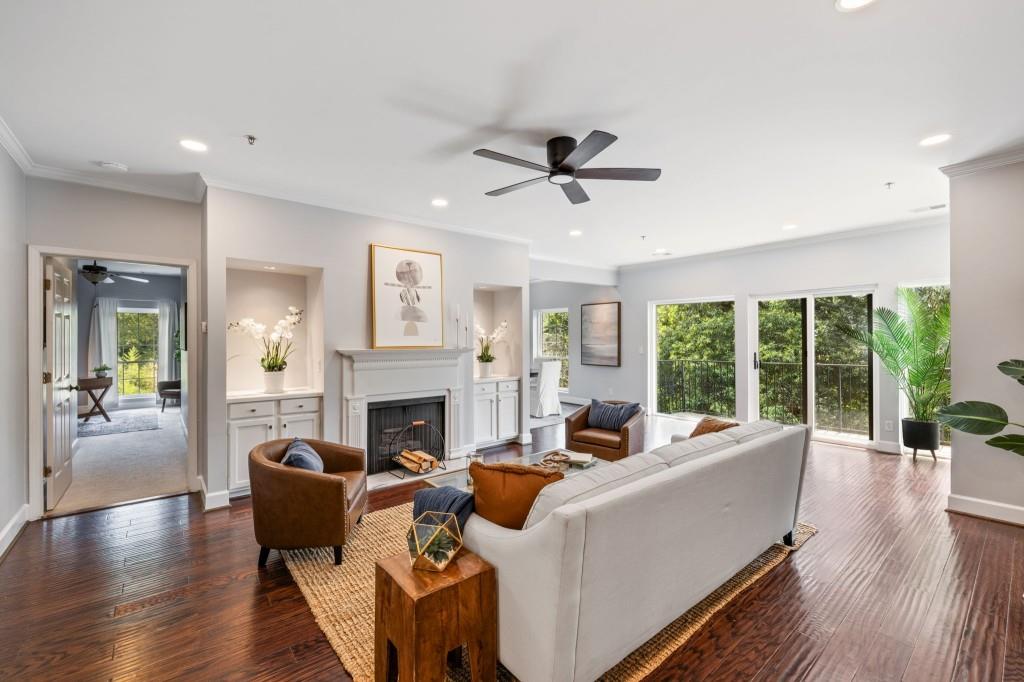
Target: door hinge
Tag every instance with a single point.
(47, 284)
(47, 378)
(47, 471)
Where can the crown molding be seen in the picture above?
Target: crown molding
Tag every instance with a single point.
(193, 196)
(868, 230)
(983, 163)
(320, 202)
(13, 146)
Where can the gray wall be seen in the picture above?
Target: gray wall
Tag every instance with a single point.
(585, 381)
(14, 340)
(987, 297)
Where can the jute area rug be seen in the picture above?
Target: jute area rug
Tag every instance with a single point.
(341, 597)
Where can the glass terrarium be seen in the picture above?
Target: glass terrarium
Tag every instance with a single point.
(434, 540)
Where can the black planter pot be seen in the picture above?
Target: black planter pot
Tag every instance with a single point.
(921, 436)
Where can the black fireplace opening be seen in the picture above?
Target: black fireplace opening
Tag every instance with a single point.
(387, 435)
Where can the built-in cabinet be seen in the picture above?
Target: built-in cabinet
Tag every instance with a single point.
(495, 410)
(255, 419)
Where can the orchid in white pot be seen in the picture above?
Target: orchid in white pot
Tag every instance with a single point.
(486, 341)
(276, 346)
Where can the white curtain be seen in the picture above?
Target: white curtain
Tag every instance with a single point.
(103, 343)
(168, 325)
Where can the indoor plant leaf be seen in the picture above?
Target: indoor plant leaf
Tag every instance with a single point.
(974, 416)
(1012, 368)
(1013, 442)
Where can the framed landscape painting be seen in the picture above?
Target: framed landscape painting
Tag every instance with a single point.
(599, 338)
(407, 294)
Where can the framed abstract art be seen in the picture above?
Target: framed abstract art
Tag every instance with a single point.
(407, 297)
(599, 334)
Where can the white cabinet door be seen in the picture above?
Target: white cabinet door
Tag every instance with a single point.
(299, 426)
(485, 418)
(508, 415)
(243, 436)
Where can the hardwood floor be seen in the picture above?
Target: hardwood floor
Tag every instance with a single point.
(892, 587)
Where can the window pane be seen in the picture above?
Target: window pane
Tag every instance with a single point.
(695, 361)
(842, 372)
(136, 352)
(554, 341)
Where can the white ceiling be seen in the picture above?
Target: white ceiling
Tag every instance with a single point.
(760, 113)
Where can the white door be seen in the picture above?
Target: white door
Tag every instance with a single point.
(243, 436)
(508, 415)
(60, 341)
(485, 418)
(299, 426)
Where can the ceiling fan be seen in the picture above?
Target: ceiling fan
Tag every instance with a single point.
(565, 166)
(98, 274)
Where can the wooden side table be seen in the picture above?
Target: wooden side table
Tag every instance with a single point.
(422, 616)
(90, 385)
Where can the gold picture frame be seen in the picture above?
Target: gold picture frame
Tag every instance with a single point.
(406, 298)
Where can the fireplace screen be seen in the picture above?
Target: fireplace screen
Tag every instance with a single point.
(415, 424)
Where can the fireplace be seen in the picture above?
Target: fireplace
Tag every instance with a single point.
(388, 430)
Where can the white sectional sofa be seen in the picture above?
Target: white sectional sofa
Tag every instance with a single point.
(611, 556)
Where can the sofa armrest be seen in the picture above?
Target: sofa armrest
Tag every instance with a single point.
(633, 433)
(339, 457)
(576, 421)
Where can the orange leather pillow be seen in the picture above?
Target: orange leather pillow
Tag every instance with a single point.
(504, 493)
(711, 425)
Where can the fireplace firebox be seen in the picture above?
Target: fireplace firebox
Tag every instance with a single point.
(387, 432)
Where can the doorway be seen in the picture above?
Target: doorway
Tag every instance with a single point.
(114, 351)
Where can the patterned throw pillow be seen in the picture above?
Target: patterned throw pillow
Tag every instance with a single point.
(301, 455)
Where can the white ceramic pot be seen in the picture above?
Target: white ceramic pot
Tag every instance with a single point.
(485, 369)
(273, 382)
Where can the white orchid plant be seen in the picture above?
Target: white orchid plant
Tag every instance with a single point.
(277, 345)
(487, 341)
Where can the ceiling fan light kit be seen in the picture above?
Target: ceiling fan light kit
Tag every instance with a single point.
(565, 166)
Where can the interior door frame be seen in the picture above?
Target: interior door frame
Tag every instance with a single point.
(36, 255)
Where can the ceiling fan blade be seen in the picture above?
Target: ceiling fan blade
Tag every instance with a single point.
(649, 174)
(108, 280)
(513, 188)
(133, 278)
(574, 192)
(592, 145)
(505, 158)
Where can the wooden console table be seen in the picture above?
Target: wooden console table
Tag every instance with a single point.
(424, 618)
(90, 385)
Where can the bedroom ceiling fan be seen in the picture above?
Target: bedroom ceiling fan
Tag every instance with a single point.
(565, 166)
(98, 274)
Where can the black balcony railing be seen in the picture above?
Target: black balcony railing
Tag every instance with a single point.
(843, 398)
(698, 386)
(782, 391)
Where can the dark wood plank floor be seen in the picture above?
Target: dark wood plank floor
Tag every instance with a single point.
(892, 587)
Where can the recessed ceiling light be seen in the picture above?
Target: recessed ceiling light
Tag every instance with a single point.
(935, 139)
(789, 227)
(852, 5)
(270, 267)
(575, 233)
(193, 145)
(439, 202)
(113, 165)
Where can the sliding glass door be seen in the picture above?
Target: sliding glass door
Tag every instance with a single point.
(782, 360)
(695, 358)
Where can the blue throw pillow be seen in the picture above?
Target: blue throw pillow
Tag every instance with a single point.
(301, 455)
(610, 417)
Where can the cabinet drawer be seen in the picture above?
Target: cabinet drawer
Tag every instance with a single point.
(482, 389)
(296, 405)
(263, 408)
(506, 386)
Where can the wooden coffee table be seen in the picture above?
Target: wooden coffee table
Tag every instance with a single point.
(423, 616)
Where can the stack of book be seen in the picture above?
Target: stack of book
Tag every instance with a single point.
(417, 461)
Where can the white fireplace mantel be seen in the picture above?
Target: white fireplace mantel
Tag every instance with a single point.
(369, 376)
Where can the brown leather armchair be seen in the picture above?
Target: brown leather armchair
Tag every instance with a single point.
(609, 445)
(294, 508)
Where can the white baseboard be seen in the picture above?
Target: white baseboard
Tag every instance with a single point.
(215, 500)
(460, 452)
(525, 438)
(886, 446)
(12, 528)
(572, 400)
(988, 509)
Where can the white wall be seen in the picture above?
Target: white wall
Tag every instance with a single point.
(13, 339)
(257, 228)
(585, 381)
(882, 260)
(265, 297)
(987, 300)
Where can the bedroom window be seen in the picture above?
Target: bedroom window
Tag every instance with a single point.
(137, 351)
(552, 340)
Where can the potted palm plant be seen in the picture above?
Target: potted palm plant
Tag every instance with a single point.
(915, 351)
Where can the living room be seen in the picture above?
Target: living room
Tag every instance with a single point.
(749, 344)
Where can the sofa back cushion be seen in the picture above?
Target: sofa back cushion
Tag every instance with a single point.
(504, 493)
(689, 449)
(596, 481)
(610, 416)
(748, 432)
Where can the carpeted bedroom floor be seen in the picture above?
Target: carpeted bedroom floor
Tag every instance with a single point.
(121, 467)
